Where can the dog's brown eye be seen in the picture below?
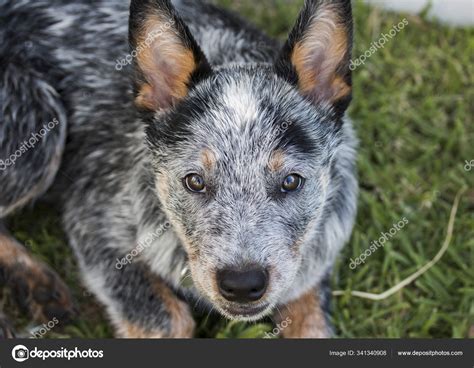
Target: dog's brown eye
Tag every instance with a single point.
(292, 183)
(195, 183)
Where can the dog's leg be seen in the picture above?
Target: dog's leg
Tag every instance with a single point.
(305, 318)
(140, 304)
(36, 288)
(177, 323)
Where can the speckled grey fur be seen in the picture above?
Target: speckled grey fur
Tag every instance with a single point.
(60, 59)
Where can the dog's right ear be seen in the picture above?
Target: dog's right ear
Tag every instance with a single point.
(167, 59)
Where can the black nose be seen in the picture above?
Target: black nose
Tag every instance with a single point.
(242, 286)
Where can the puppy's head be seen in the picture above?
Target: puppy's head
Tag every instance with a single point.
(242, 154)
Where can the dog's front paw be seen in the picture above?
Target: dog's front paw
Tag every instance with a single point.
(304, 319)
(182, 328)
(41, 292)
(176, 322)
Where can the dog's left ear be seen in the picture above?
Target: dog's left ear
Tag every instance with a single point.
(317, 55)
(167, 59)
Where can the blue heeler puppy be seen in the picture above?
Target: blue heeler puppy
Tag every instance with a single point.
(203, 166)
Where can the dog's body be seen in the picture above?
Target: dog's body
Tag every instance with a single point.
(231, 113)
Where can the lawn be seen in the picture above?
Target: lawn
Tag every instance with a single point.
(413, 110)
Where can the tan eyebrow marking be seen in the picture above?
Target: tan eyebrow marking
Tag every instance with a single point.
(208, 159)
(277, 161)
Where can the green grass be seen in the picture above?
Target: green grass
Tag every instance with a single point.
(413, 109)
